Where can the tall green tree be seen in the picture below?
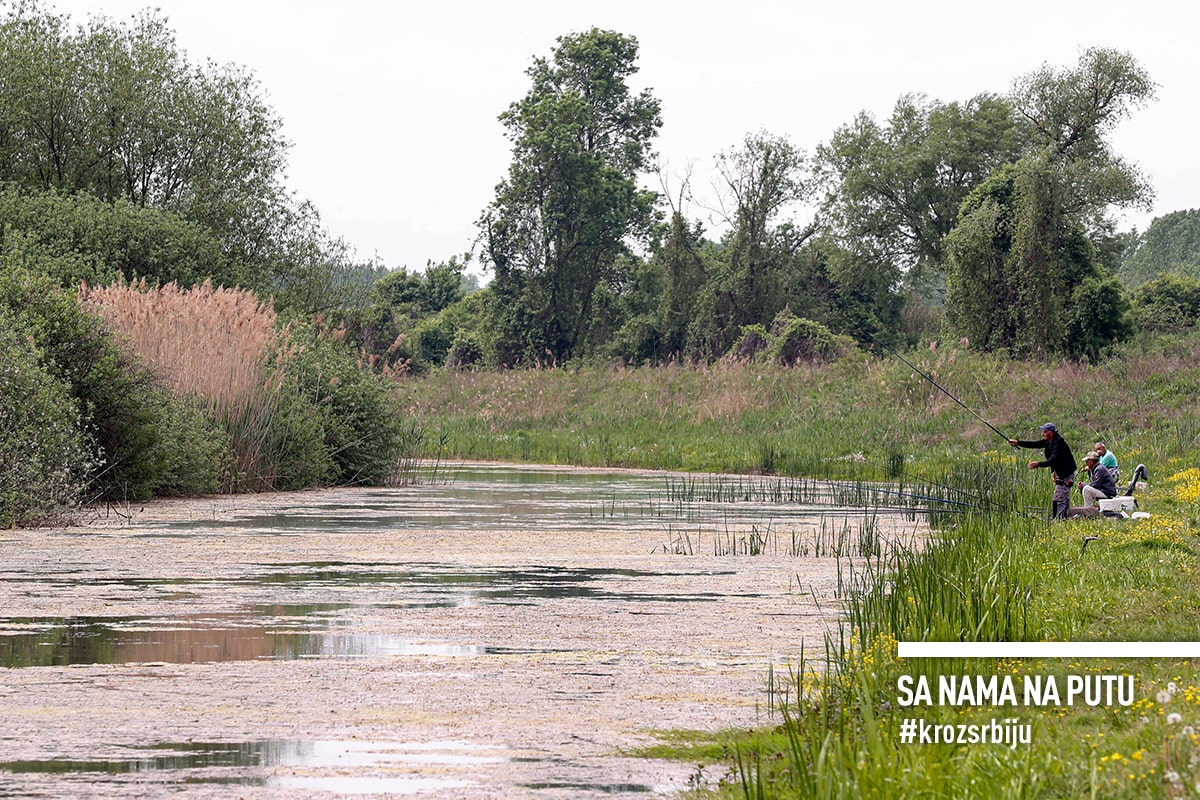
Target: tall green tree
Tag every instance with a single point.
(117, 111)
(570, 206)
(753, 275)
(1023, 261)
(1069, 115)
(892, 191)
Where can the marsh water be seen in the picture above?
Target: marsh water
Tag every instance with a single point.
(488, 631)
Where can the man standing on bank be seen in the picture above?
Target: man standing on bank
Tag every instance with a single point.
(1059, 460)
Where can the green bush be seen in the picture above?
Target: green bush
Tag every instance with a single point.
(113, 394)
(77, 238)
(1167, 303)
(805, 340)
(357, 413)
(1097, 317)
(465, 351)
(191, 455)
(753, 340)
(434, 337)
(45, 461)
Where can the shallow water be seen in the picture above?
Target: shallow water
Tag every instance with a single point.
(500, 631)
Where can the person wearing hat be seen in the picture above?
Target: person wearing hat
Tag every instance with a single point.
(1100, 485)
(1060, 461)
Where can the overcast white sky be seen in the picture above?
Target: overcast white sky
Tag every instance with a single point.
(391, 106)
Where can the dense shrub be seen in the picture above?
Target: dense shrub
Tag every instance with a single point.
(1167, 303)
(192, 455)
(44, 462)
(115, 397)
(1097, 317)
(358, 418)
(804, 340)
(465, 351)
(78, 237)
(754, 340)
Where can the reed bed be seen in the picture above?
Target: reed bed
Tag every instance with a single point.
(206, 341)
(997, 576)
(212, 345)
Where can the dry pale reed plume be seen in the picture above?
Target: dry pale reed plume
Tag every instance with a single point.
(209, 343)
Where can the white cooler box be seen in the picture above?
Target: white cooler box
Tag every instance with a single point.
(1115, 505)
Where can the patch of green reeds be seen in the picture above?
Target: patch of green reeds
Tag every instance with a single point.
(998, 577)
(831, 538)
(413, 465)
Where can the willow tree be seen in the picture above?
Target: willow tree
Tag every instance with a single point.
(117, 111)
(570, 207)
(1023, 272)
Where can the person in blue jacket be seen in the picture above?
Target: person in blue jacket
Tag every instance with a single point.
(1061, 463)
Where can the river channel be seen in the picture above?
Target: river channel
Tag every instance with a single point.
(489, 631)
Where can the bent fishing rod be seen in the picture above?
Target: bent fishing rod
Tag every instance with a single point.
(943, 389)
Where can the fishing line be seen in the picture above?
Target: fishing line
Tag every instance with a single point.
(944, 391)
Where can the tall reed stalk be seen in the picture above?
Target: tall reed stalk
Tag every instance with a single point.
(209, 344)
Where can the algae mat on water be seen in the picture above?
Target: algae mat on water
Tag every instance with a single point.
(499, 632)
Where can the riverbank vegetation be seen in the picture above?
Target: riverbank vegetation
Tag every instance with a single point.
(173, 320)
(839, 718)
(150, 249)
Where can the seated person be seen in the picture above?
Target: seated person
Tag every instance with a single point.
(1100, 485)
(1108, 461)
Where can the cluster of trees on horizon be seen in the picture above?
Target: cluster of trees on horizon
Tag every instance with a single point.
(987, 218)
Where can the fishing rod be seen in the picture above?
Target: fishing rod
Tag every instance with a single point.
(944, 390)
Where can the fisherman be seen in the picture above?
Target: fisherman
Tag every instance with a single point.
(1108, 461)
(1059, 460)
(1100, 485)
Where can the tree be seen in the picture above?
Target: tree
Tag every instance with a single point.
(1170, 244)
(1068, 115)
(118, 112)
(1023, 257)
(893, 191)
(763, 178)
(570, 206)
(753, 275)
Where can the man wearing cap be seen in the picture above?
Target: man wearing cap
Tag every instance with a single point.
(1059, 460)
(1100, 485)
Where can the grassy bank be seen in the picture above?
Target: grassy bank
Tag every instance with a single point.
(1004, 574)
(849, 419)
(996, 578)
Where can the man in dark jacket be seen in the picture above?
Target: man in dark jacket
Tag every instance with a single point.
(1100, 485)
(1059, 460)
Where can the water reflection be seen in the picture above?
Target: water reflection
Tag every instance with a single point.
(286, 631)
(69, 642)
(217, 762)
(501, 497)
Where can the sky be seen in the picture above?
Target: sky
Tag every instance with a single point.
(391, 107)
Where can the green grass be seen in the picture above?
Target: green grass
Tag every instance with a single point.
(861, 418)
(995, 569)
(999, 577)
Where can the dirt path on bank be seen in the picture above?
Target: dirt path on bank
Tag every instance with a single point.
(499, 662)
